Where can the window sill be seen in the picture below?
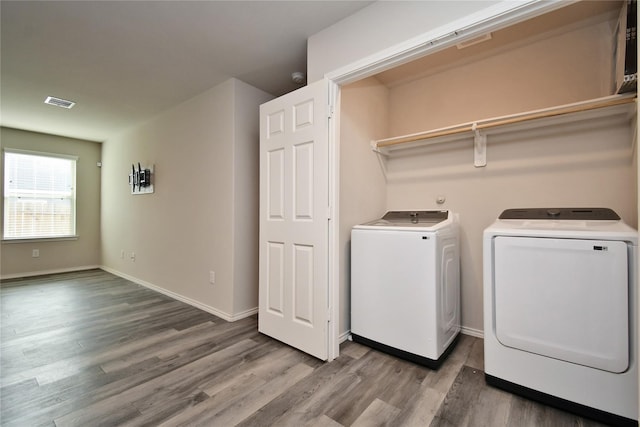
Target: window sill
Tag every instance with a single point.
(40, 239)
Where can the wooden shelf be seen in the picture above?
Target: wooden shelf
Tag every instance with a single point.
(479, 130)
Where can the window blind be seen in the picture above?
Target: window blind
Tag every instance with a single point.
(39, 196)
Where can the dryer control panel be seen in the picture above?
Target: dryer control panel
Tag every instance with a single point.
(584, 214)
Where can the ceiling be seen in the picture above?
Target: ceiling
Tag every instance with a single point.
(123, 62)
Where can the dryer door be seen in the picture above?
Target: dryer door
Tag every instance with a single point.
(563, 298)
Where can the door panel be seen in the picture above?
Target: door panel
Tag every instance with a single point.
(303, 181)
(303, 284)
(275, 278)
(294, 200)
(275, 184)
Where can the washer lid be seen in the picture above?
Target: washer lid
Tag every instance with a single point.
(590, 214)
(418, 218)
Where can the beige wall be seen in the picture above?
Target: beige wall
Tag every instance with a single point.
(204, 152)
(57, 256)
(363, 117)
(584, 164)
(542, 71)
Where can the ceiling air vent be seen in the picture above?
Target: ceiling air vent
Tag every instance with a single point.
(58, 102)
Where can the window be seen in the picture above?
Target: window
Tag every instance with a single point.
(39, 195)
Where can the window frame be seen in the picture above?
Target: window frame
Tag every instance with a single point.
(74, 234)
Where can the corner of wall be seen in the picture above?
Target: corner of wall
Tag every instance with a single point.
(246, 193)
(182, 231)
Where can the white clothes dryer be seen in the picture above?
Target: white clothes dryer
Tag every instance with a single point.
(405, 284)
(559, 310)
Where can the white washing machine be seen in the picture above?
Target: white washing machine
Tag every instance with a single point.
(559, 310)
(405, 284)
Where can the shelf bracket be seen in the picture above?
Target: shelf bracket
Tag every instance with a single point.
(479, 147)
(374, 147)
(381, 157)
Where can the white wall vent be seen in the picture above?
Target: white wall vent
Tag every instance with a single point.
(58, 102)
(467, 43)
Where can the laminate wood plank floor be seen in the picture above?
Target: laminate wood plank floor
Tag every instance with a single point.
(92, 349)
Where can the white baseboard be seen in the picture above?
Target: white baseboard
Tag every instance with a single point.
(473, 332)
(343, 336)
(243, 314)
(216, 312)
(46, 272)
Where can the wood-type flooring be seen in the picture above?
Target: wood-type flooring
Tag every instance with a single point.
(92, 349)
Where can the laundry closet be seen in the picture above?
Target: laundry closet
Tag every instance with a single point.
(586, 157)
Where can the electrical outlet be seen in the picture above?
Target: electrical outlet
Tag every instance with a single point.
(212, 277)
(35, 253)
(133, 257)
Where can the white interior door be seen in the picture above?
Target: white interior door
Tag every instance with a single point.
(294, 215)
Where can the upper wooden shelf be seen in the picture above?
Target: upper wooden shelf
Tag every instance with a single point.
(479, 129)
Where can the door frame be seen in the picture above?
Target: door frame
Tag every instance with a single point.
(498, 16)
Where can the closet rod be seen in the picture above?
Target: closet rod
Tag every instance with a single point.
(507, 120)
